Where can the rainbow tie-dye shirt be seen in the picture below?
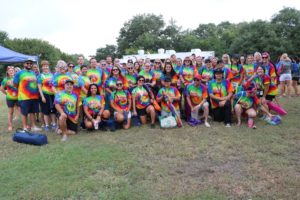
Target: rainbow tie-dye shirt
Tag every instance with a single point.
(85, 81)
(77, 82)
(206, 73)
(96, 76)
(188, 73)
(112, 82)
(149, 76)
(69, 103)
(196, 93)
(121, 99)
(249, 71)
(27, 85)
(246, 102)
(237, 71)
(131, 78)
(261, 83)
(141, 96)
(11, 90)
(94, 104)
(59, 81)
(172, 92)
(45, 80)
(221, 89)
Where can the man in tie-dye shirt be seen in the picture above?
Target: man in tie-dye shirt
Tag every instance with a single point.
(67, 104)
(28, 95)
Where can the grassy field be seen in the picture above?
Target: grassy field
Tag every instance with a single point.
(142, 163)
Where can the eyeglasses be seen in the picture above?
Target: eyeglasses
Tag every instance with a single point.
(129, 68)
(264, 57)
(115, 69)
(10, 67)
(29, 63)
(71, 66)
(103, 64)
(141, 80)
(119, 84)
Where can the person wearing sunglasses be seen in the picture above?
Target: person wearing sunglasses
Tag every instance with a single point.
(142, 100)
(157, 71)
(131, 76)
(47, 96)
(120, 102)
(196, 95)
(28, 95)
(77, 87)
(269, 67)
(11, 92)
(59, 79)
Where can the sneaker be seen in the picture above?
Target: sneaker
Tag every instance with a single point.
(206, 124)
(36, 128)
(64, 138)
(53, 126)
(269, 121)
(254, 127)
(46, 128)
(227, 125)
(152, 126)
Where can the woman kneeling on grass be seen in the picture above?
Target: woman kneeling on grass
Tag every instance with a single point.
(141, 102)
(120, 101)
(93, 106)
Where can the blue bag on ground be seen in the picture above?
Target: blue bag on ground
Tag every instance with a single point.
(26, 137)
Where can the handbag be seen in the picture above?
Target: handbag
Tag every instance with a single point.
(26, 137)
(167, 122)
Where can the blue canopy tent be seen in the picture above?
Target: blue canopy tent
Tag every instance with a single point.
(10, 56)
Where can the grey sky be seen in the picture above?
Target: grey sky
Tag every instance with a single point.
(83, 26)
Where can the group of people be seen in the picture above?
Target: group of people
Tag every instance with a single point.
(199, 89)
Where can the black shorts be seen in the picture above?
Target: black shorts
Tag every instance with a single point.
(142, 112)
(270, 97)
(70, 125)
(295, 79)
(29, 106)
(48, 107)
(12, 103)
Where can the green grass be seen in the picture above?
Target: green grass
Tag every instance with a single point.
(141, 163)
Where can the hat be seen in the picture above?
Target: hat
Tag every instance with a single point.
(167, 79)
(69, 81)
(198, 76)
(235, 56)
(29, 60)
(218, 71)
(249, 86)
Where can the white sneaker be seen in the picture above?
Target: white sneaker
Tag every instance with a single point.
(227, 125)
(206, 124)
(36, 128)
(64, 138)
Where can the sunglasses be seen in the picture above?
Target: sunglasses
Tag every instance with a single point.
(103, 64)
(264, 57)
(195, 79)
(10, 67)
(71, 66)
(142, 80)
(29, 63)
(119, 84)
(129, 68)
(115, 69)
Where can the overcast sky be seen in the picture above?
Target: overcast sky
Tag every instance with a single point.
(83, 26)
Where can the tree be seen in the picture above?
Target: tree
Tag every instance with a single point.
(3, 37)
(136, 27)
(108, 50)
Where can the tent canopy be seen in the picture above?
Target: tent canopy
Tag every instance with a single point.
(10, 56)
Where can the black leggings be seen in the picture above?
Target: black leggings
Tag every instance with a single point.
(223, 113)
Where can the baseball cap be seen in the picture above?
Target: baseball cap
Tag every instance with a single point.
(69, 81)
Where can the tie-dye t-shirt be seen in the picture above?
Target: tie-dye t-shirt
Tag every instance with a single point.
(45, 80)
(261, 83)
(149, 76)
(237, 71)
(227, 74)
(188, 73)
(172, 92)
(174, 79)
(85, 81)
(158, 75)
(96, 76)
(221, 89)
(11, 90)
(69, 103)
(105, 74)
(141, 96)
(77, 70)
(112, 82)
(121, 99)
(249, 71)
(94, 104)
(246, 102)
(59, 81)
(206, 73)
(176, 68)
(270, 70)
(131, 78)
(27, 85)
(196, 93)
(77, 82)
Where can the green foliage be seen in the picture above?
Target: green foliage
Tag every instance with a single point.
(108, 50)
(3, 37)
